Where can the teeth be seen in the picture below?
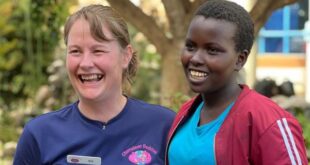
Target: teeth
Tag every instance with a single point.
(92, 77)
(198, 74)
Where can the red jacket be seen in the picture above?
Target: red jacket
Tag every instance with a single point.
(256, 131)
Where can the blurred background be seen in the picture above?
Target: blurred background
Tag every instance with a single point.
(33, 78)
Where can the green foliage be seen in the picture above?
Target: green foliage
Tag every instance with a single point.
(29, 33)
(146, 85)
(7, 61)
(7, 128)
(304, 120)
(177, 100)
(147, 81)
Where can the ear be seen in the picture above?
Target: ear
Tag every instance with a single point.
(241, 60)
(127, 55)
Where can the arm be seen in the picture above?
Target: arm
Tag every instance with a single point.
(27, 151)
(281, 144)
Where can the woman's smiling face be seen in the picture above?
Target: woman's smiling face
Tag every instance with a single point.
(209, 57)
(94, 67)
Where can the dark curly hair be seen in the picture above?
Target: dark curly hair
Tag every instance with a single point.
(234, 13)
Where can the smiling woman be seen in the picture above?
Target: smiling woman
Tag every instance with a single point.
(227, 123)
(95, 67)
(104, 126)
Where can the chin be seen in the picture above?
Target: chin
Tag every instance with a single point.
(196, 89)
(89, 95)
(85, 97)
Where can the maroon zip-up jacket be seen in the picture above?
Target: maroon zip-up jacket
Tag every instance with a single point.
(256, 132)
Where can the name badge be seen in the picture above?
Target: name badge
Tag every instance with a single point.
(77, 159)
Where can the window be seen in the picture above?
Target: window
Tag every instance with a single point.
(283, 32)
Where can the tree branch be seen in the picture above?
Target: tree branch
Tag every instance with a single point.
(143, 22)
(175, 12)
(186, 5)
(196, 4)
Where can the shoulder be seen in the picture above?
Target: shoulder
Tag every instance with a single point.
(189, 106)
(251, 101)
(154, 110)
(259, 110)
(51, 118)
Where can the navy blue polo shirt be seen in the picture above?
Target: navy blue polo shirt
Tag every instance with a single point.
(135, 136)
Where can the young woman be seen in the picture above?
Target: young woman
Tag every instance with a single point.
(228, 123)
(104, 126)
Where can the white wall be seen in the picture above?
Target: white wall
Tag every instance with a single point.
(295, 75)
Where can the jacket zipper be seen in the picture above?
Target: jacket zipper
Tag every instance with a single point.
(214, 149)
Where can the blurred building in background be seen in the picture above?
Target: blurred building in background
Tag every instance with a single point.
(282, 48)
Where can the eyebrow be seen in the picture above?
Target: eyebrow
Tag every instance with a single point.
(187, 40)
(92, 47)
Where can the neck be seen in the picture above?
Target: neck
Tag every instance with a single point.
(103, 110)
(215, 104)
(221, 97)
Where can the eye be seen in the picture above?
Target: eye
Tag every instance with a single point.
(213, 50)
(74, 52)
(189, 47)
(99, 51)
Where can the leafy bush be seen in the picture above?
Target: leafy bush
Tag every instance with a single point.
(303, 118)
(7, 128)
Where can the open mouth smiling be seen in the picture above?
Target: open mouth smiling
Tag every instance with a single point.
(198, 74)
(90, 77)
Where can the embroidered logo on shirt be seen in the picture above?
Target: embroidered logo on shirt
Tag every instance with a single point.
(140, 154)
(140, 157)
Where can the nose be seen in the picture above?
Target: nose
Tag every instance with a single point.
(87, 61)
(196, 58)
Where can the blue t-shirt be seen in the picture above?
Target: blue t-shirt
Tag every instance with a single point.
(193, 144)
(135, 136)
